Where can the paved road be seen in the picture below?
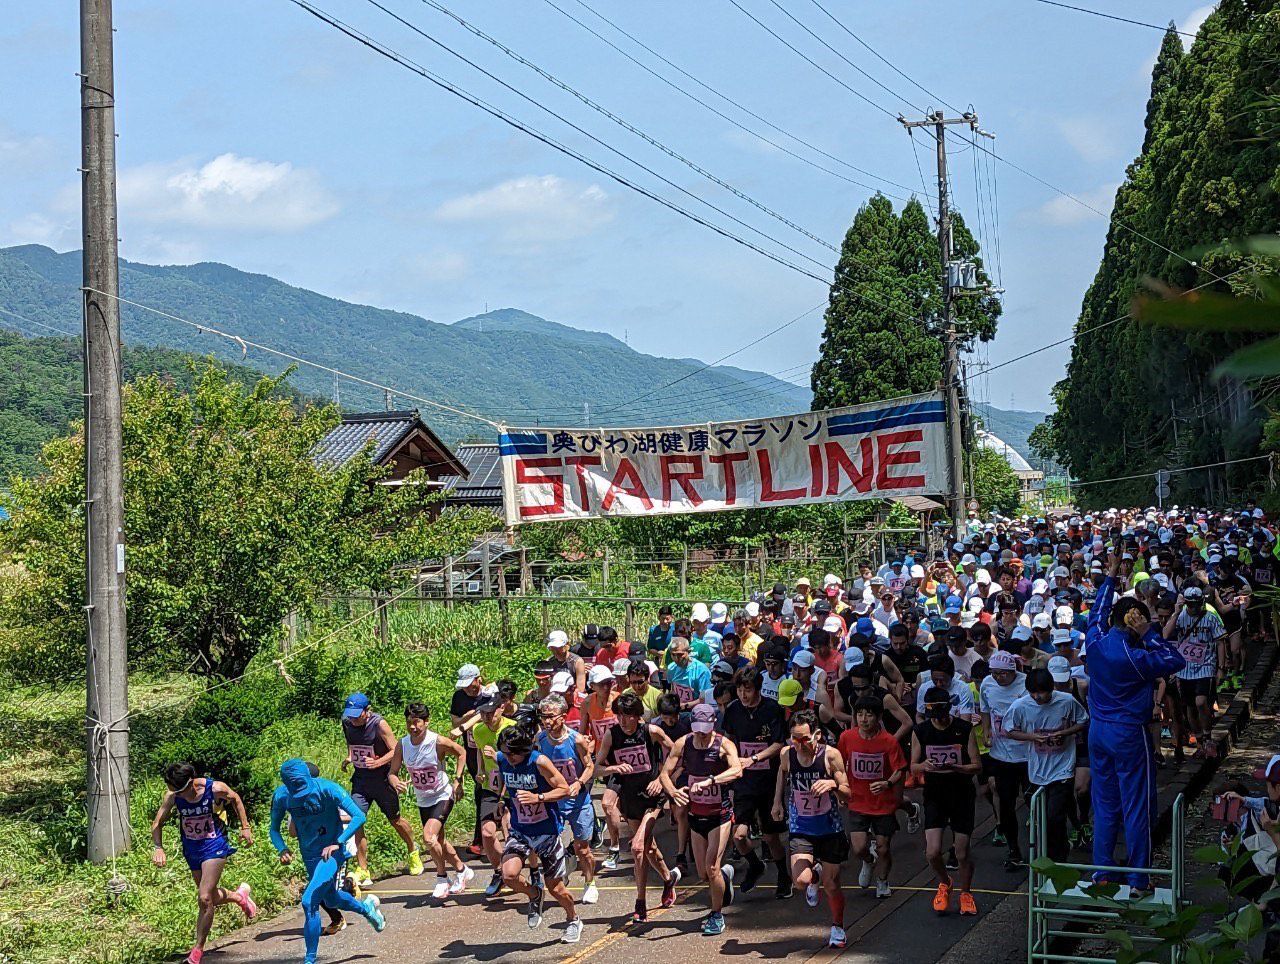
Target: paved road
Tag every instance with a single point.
(473, 928)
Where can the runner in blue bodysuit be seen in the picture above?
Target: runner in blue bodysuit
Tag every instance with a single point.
(314, 804)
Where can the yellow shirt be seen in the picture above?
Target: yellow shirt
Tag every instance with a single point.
(484, 737)
(650, 699)
(748, 645)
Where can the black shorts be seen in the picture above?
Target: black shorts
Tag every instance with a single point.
(882, 825)
(548, 847)
(489, 808)
(950, 807)
(702, 825)
(634, 804)
(988, 771)
(831, 848)
(612, 782)
(437, 811)
(1189, 689)
(367, 794)
(758, 804)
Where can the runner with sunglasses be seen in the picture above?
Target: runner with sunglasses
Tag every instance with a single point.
(570, 753)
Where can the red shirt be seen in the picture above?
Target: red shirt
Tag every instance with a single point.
(866, 762)
(607, 657)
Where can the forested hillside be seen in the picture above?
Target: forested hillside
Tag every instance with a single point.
(1139, 397)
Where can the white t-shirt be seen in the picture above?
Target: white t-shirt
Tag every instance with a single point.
(997, 700)
(964, 664)
(429, 781)
(1048, 763)
(961, 696)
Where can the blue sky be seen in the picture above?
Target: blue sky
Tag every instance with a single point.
(262, 138)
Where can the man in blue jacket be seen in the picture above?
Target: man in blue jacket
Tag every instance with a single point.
(316, 807)
(1126, 657)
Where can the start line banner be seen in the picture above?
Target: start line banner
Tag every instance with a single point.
(872, 451)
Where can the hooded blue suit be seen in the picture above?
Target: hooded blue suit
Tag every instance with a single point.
(316, 806)
(1122, 680)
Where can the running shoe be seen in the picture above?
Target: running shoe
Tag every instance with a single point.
(713, 925)
(641, 913)
(1013, 863)
(669, 887)
(1086, 832)
(915, 816)
(864, 874)
(361, 876)
(591, 893)
(611, 861)
(968, 906)
(883, 890)
(535, 879)
(534, 914)
(573, 931)
(785, 887)
(727, 873)
(335, 927)
(374, 916)
(997, 838)
(415, 864)
(246, 902)
(837, 938)
(495, 885)
(441, 890)
(811, 895)
(752, 877)
(942, 899)
(458, 880)
(475, 850)
(194, 956)
(953, 863)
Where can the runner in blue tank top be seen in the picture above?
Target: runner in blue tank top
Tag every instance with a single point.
(532, 786)
(198, 803)
(570, 754)
(812, 785)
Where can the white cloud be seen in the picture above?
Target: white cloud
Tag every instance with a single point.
(532, 208)
(1194, 21)
(440, 267)
(36, 228)
(1065, 212)
(1088, 137)
(228, 193)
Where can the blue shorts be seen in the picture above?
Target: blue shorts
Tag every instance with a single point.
(580, 817)
(197, 852)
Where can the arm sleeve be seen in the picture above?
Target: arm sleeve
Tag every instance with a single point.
(1158, 659)
(277, 819)
(343, 799)
(1100, 614)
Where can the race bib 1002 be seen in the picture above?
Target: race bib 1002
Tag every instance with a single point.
(866, 766)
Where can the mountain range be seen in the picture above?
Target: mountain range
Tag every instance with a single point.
(508, 365)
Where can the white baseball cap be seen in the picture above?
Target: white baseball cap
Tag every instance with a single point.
(1038, 587)
(1040, 621)
(968, 560)
(1061, 636)
(833, 624)
(1060, 669)
(719, 611)
(600, 674)
(621, 666)
(982, 577)
(831, 579)
(1020, 633)
(803, 659)
(468, 673)
(699, 613)
(562, 682)
(752, 608)
(557, 639)
(853, 657)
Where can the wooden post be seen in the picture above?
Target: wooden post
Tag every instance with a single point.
(604, 570)
(684, 572)
(487, 587)
(504, 612)
(763, 556)
(526, 573)
(384, 622)
(546, 617)
(629, 623)
(746, 575)
(290, 633)
(448, 582)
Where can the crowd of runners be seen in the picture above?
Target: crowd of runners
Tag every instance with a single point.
(787, 741)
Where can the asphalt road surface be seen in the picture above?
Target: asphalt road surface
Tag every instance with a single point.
(472, 927)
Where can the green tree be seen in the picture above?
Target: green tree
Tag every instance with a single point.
(995, 486)
(230, 525)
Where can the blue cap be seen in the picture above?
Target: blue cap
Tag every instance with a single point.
(954, 605)
(356, 704)
(865, 626)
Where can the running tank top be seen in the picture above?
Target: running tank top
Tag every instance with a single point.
(531, 819)
(430, 785)
(698, 764)
(769, 685)
(640, 751)
(564, 756)
(601, 720)
(365, 743)
(199, 822)
(810, 814)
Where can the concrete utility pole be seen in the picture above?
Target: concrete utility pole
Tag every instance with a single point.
(107, 678)
(951, 340)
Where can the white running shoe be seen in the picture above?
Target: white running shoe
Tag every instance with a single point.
(915, 816)
(864, 874)
(459, 879)
(727, 871)
(838, 937)
(573, 931)
(883, 890)
(611, 861)
(441, 890)
(811, 895)
(591, 894)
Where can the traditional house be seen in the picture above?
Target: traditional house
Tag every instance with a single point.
(400, 441)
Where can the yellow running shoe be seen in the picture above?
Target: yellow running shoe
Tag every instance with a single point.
(415, 864)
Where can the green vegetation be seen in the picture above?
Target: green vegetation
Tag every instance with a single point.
(880, 339)
(1137, 397)
(994, 484)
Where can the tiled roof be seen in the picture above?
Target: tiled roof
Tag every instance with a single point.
(385, 430)
(485, 474)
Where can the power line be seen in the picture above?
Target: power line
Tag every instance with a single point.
(800, 53)
(1139, 23)
(723, 96)
(1189, 468)
(40, 324)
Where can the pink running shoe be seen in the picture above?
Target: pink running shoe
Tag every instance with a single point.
(194, 956)
(246, 902)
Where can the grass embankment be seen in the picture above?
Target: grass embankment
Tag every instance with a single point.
(56, 907)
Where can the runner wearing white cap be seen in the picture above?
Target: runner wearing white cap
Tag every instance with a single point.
(572, 663)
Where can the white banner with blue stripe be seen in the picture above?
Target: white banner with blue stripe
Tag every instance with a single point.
(875, 451)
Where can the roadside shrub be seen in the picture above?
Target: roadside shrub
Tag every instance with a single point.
(220, 752)
(318, 684)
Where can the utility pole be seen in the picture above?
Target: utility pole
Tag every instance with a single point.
(951, 341)
(107, 682)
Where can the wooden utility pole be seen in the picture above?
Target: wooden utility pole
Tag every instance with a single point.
(951, 338)
(107, 682)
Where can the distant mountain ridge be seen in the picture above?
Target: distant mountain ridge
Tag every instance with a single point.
(506, 364)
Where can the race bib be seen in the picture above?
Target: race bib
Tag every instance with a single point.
(997, 726)
(568, 769)
(493, 780)
(808, 804)
(684, 693)
(1194, 652)
(1051, 745)
(637, 757)
(425, 779)
(708, 796)
(943, 755)
(199, 827)
(746, 748)
(361, 754)
(866, 766)
(531, 812)
(600, 727)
